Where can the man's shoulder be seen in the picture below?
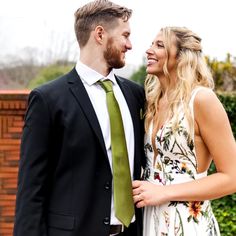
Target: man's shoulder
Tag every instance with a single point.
(136, 89)
(129, 82)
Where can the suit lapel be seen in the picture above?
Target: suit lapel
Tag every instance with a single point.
(129, 99)
(78, 90)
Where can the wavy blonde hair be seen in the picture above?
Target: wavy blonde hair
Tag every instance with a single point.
(192, 71)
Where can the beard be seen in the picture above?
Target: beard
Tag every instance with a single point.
(112, 55)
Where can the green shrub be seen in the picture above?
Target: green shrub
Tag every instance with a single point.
(140, 75)
(49, 73)
(225, 208)
(229, 103)
(225, 211)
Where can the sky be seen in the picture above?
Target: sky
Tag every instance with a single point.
(43, 29)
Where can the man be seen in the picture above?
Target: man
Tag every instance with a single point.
(66, 173)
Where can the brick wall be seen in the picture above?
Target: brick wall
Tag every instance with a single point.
(12, 110)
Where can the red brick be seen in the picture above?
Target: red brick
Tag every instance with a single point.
(8, 147)
(15, 129)
(10, 141)
(7, 175)
(6, 231)
(13, 157)
(18, 118)
(6, 203)
(18, 123)
(7, 197)
(12, 111)
(8, 169)
(10, 181)
(8, 212)
(6, 225)
(9, 185)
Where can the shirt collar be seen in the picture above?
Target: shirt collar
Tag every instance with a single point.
(90, 76)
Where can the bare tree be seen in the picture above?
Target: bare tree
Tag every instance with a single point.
(17, 70)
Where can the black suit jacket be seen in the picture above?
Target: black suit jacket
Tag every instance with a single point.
(64, 186)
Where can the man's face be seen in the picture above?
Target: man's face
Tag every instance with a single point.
(118, 44)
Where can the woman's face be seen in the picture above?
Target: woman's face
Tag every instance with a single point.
(157, 56)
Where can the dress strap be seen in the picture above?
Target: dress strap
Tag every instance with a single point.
(193, 95)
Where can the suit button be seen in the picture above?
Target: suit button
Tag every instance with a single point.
(107, 186)
(106, 220)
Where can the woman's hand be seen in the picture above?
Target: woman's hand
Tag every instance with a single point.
(148, 194)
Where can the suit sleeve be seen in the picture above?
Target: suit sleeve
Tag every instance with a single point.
(33, 169)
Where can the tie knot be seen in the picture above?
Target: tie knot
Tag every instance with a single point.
(106, 85)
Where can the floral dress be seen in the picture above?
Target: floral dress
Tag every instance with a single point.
(176, 163)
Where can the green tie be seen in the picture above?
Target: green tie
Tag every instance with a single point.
(123, 200)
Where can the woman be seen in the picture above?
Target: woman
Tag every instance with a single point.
(186, 128)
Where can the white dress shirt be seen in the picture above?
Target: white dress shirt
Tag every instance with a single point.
(97, 97)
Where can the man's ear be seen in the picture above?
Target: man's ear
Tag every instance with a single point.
(99, 34)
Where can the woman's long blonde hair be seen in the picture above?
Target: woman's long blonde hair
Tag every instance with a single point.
(192, 71)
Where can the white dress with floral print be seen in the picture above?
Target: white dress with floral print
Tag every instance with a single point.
(176, 163)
